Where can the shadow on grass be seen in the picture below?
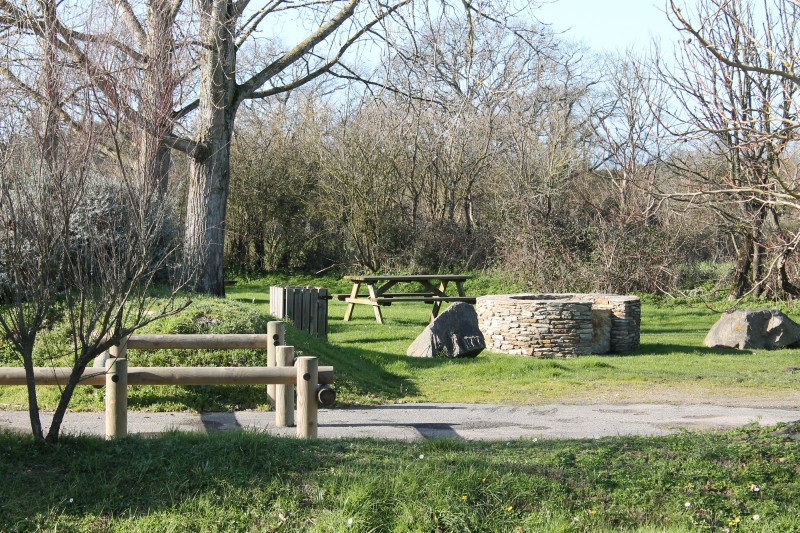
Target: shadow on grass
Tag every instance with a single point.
(257, 301)
(199, 398)
(367, 371)
(666, 349)
(673, 331)
(337, 325)
(191, 482)
(372, 341)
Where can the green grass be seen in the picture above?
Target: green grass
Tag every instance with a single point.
(243, 481)
(372, 368)
(672, 363)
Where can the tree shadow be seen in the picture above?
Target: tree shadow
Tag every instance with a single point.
(659, 348)
(90, 483)
(367, 371)
(198, 398)
(257, 301)
(371, 341)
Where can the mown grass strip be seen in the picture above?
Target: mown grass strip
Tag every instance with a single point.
(746, 480)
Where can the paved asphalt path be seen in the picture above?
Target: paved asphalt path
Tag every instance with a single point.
(466, 421)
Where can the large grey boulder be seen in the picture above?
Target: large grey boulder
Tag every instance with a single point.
(454, 333)
(754, 328)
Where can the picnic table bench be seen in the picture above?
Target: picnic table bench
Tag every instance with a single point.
(434, 291)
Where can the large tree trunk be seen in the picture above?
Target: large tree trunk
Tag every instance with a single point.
(209, 173)
(206, 206)
(157, 98)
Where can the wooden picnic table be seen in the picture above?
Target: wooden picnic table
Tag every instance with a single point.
(434, 291)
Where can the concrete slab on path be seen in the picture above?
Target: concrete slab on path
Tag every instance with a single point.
(425, 420)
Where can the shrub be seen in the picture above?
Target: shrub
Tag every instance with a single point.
(207, 316)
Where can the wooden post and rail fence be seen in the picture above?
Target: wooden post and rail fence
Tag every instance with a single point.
(281, 375)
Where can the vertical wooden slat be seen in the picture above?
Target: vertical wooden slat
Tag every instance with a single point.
(282, 302)
(313, 311)
(305, 304)
(298, 305)
(290, 303)
(323, 313)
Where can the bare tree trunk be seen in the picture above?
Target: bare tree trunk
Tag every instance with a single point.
(787, 286)
(63, 403)
(741, 273)
(157, 98)
(33, 402)
(758, 268)
(209, 179)
(759, 252)
(469, 214)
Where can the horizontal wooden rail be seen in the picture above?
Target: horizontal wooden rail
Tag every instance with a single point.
(117, 376)
(198, 342)
(156, 375)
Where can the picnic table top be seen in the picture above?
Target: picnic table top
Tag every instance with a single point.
(412, 277)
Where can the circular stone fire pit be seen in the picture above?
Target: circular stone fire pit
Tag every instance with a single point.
(559, 325)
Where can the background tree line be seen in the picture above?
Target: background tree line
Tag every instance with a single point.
(155, 141)
(519, 152)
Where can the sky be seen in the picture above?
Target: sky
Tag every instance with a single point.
(609, 25)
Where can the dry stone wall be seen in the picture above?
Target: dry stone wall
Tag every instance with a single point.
(559, 325)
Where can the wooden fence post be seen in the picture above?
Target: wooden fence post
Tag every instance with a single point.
(117, 391)
(284, 394)
(307, 397)
(276, 330)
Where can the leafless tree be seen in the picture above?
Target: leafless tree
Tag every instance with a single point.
(58, 247)
(190, 103)
(736, 90)
(77, 235)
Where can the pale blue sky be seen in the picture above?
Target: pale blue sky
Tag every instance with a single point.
(609, 25)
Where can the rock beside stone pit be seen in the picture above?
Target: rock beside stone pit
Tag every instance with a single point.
(454, 333)
(752, 329)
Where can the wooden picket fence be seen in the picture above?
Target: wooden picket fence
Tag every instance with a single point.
(305, 307)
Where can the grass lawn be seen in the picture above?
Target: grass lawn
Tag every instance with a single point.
(672, 364)
(744, 480)
(371, 367)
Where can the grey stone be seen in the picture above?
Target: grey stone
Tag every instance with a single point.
(454, 333)
(754, 328)
(601, 331)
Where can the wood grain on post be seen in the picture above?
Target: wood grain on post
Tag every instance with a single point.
(276, 332)
(307, 397)
(284, 394)
(305, 310)
(117, 391)
(323, 313)
(313, 311)
(157, 375)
